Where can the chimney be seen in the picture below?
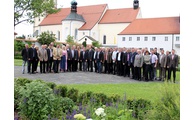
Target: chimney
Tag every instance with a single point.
(135, 4)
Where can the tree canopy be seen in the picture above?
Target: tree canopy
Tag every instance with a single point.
(27, 10)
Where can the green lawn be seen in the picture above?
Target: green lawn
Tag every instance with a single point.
(149, 91)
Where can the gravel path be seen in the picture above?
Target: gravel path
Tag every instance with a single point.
(75, 77)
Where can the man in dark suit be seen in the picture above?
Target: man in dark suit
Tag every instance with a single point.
(83, 59)
(94, 59)
(48, 57)
(91, 58)
(100, 58)
(119, 62)
(24, 54)
(109, 60)
(69, 62)
(133, 54)
(74, 58)
(173, 64)
(32, 53)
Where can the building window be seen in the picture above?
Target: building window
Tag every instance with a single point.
(130, 38)
(138, 38)
(58, 35)
(145, 38)
(123, 38)
(177, 38)
(166, 39)
(151, 49)
(76, 33)
(161, 49)
(83, 33)
(153, 38)
(104, 39)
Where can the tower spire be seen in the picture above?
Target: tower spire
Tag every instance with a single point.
(135, 4)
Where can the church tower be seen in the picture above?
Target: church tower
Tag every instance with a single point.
(135, 4)
(72, 22)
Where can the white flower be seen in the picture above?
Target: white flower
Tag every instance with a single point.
(99, 111)
(89, 119)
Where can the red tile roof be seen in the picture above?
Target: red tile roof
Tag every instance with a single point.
(90, 13)
(124, 15)
(166, 25)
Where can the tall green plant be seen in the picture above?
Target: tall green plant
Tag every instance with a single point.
(168, 105)
(46, 38)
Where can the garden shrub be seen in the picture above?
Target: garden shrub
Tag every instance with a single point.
(85, 97)
(67, 104)
(38, 101)
(21, 81)
(73, 94)
(140, 107)
(61, 89)
(168, 105)
(52, 85)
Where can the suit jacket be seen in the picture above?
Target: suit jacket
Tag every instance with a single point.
(69, 54)
(129, 60)
(32, 51)
(24, 54)
(48, 53)
(91, 54)
(163, 60)
(75, 54)
(118, 56)
(133, 57)
(83, 57)
(42, 55)
(101, 56)
(173, 62)
(124, 58)
(55, 56)
(109, 60)
(138, 62)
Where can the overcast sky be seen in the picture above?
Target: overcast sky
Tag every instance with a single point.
(149, 9)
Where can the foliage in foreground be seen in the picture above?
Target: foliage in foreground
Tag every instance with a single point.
(168, 105)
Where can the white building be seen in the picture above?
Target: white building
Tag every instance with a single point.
(163, 33)
(96, 21)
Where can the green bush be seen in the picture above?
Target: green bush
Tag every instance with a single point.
(96, 44)
(168, 105)
(21, 81)
(85, 97)
(38, 101)
(52, 85)
(18, 45)
(61, 89)
(46, 38)
(73, 94)
(140, 107)
(67, 104)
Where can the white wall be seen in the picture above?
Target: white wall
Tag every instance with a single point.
(111, 31)
(53, 28)
(68, 28)
(159, 43)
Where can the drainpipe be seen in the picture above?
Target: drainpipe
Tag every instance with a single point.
(172, 40)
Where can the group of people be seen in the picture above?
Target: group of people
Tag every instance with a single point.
(138, 64)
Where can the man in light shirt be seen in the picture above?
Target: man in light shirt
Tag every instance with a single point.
(154, 61)
(114, 54)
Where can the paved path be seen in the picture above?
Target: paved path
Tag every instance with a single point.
(74, 77)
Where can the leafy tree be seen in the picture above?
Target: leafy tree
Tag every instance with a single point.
(46, 38)
(96, 44)
(27, 10)
(69, 39)
(18, 45)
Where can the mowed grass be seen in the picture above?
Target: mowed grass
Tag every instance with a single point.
(149, 91)
(18, 62)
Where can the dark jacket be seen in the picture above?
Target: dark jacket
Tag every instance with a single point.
(24, 54)
(83, 57)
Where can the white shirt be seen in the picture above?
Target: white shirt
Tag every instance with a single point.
(153, 58)
(114, 55)
(119, 56)
(94, 54)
